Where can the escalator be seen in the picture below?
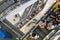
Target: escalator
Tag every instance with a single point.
(41, 32)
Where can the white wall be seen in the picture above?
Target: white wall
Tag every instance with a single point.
(19, 10)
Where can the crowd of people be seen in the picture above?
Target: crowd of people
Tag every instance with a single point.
(50, 20)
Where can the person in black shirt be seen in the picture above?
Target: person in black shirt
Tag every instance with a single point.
(53, 14)
(58, 17)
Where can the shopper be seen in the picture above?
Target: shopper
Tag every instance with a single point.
(42, 24)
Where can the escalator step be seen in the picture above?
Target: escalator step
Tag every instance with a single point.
(40, 38)
(41, 33)
(45, 31)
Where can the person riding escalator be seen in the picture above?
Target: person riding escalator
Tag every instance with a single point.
(57, 8)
